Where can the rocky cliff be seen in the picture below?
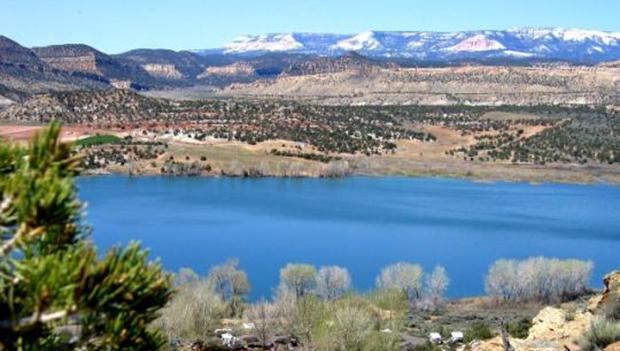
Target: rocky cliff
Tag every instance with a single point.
(79, 58)
(162, 70)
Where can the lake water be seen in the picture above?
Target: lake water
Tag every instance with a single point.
(360, 223)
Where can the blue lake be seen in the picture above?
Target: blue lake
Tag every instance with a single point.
(362, 223)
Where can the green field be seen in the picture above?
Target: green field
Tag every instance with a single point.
(98, 140)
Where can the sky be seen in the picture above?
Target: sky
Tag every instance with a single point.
(114, 26)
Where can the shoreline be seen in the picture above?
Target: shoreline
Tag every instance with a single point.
(481, 180)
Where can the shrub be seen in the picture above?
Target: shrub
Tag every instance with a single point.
(478, 331)
(600, 334)
(193, 313)
(380, 341)
(299, 316)
(336, 169)
(519, 328)
(349, 328)
(611, 310)
(390, 300)
(428, 346)
(265, 319)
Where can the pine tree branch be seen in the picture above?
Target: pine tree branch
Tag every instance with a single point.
(29, 322)
(10, 244)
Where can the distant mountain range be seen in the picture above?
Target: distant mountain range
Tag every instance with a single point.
(576, 45)
(24, 71)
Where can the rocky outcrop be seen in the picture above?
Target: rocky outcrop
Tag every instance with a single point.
(86, 63)
(159, 62)
(160, 70)
(558, 326)
(553, 329)
(70, 58)
(612, 286)
(235, 69)
(613, 347)
(611, 283)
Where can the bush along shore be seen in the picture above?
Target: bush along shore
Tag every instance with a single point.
(316, 308)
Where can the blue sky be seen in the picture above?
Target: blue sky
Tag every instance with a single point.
(119, 25)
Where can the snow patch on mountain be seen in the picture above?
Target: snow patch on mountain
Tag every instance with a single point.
(580, 35)
(541, 43)
(272, 43)
(477, 43)
(362, 41)
(519, 54)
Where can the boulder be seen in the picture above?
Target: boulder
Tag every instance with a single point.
(551, 330)
(612, 286)
(613, 347)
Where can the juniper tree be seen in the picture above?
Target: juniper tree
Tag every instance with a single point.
(51, 277)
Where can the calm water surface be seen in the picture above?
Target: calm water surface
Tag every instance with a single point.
(359, 223)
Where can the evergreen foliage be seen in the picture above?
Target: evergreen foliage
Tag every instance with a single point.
(52, 282)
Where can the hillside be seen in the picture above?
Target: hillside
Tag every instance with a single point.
(113, 106)
(166, 63)
(22, 73)
(483, 85)
(350, 61)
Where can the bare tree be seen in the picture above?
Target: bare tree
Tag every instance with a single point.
(263, 316)
(299, 278)
(501, 280)
(402, 276)
(231, 283)
(436, 285)
(185, 276)
(332, 282)
(538, 278)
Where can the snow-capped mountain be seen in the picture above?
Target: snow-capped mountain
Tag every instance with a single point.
(539, 43)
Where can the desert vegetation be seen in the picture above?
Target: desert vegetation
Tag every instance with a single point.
(578, 143)
(318, 309)
(605, 329)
